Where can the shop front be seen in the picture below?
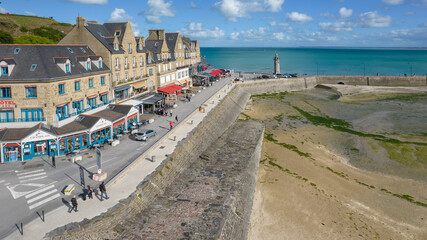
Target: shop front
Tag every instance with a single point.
(38, 143)
(132, 119)
(70, 143)
(11, 152)
(100, 132)
(119, 127)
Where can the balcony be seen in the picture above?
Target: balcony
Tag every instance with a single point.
(83, 110)
(23, 120)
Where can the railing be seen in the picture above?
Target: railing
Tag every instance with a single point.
(23, 120)
(83, 110)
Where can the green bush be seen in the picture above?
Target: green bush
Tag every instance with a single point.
(29, 39)
(49, 33)
(23, 29)
(5, 38)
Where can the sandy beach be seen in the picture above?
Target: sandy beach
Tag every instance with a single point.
(311, 185)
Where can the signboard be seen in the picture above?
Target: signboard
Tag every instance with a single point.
(82, 176)
(7, 103)
(99, 159)
(27, 150)
(13, 156)
(39, 135)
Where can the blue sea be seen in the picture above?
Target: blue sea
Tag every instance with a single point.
(321, 61)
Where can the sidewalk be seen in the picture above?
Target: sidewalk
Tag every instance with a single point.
(125, 184)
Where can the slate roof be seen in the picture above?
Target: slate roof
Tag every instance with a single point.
(9, 61)
(154, 46)
(46, 58)
(83, 122)
(171, 39)
(114, 112)
(103, 33)
(17, 134)
(120, 108)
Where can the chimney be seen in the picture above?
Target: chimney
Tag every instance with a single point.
(161, 34)
(80, 21)
(156, 34)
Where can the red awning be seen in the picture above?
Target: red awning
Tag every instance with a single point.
(63, 104)
(169, 89)
(216, 72)
(12, 145)
(92, 96)
(104, 93)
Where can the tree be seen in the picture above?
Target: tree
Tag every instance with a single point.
(50, 33)
(30, 39)
(5, 38)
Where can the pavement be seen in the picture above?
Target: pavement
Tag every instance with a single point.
(125, 180)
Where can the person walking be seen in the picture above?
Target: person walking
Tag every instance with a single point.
(176, 118)
(171, 124)
(103, 191)
(90, 193)
(74, 204)
(171, 112)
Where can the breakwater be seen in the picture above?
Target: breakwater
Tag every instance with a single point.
(123, 218)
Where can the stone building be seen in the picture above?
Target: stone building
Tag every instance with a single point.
(50, 84)
(124, 54)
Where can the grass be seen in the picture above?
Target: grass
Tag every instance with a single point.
(405, 98)
(171, 159)
(280, 95)
(271, 161)
(343, 126)
(341, 174)
(246, 116)
(291, 147)
(140, 195)
(279, 118)
(406, 197)
(364, 184)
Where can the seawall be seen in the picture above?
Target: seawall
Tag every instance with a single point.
(391, 81)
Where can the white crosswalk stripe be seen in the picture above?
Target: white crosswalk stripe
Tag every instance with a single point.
(32, 175)
(25, 173)
(32, 179)
(42, 196)
(45, 201)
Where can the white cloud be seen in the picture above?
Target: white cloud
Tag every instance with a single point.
(274, 5)
(329, 15)
(99, 2)
(336, 27)
(393, 2)
(2, 10)
(274, 23)
(234, 36)
(279, 36)
(233, 9)
(374, 20)
(299, 18)
(196, 30)
(158, 9)
(193, 5)
(345, 13)
(120, 15)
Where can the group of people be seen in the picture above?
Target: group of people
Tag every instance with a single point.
(89, 194)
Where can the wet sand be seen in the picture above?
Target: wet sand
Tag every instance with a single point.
(318, 183)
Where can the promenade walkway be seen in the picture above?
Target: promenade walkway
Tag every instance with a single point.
(125, 183)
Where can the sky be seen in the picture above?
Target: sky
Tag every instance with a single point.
(253, 23)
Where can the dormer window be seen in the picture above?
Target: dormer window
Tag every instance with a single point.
(116, 46)
(100, 63)
(117, 33)
(4, 70)
(67, 68)
(70, 50)
(88, 65)
(17, 50)
(140, 46)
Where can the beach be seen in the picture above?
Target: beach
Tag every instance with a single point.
(317, 182)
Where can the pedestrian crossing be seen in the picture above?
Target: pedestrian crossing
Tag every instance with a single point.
(38, 192)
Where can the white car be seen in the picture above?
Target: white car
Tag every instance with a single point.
(144, 135)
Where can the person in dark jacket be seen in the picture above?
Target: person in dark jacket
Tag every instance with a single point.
(74, 203)
(103, 191)
(90, 193)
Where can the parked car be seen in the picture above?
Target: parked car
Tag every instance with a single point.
(144, 135)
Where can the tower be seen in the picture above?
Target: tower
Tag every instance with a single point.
(276, 64)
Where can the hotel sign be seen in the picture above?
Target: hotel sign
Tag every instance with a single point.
(38, 136)
(7, 103)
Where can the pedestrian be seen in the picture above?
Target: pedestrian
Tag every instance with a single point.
(171, 112)
(74, 203)
(200, 108)
(166, 112)
(176, 118)
(90, 193)
(171, 124)
(103, 191)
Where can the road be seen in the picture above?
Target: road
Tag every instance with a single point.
(28, 188)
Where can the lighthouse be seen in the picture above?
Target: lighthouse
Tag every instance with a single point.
(276, 64)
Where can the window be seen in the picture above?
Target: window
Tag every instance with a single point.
(117, 33)
(179, 45)
(61, 88)
(62, 112)
(70, 50)
(31, 92)
(92, 102)
(88, 66)
(150, 71)
(4, 70)
(104, 98)
(117, 63)
(116, 46)
(83, 50)
(6, 116)
(126, 76)
(126, 62)
(67, 68)
(117, 77)
(141, 63)
(77, 85)
(99, 64)
(78, 106)
(33, 67)
(17, 50)
(32, 114)
(102, 80)
(134, 74)
(134, 61)
(129, 47)
(90, 82)
(5, 92)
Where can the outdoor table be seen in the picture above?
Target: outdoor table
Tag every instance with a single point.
(75, 151)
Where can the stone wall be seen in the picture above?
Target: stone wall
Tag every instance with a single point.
(391, 81)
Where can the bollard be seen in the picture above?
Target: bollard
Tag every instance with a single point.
(152, 158)
(22, 229)
(43, 215)
(174, 138)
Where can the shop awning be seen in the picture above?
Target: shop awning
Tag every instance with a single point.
(216, 72)
(122, 88)
(169, 89)
(92, 96)
(104, 92)
(139, 85)
(62, 104)
(12, 145)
